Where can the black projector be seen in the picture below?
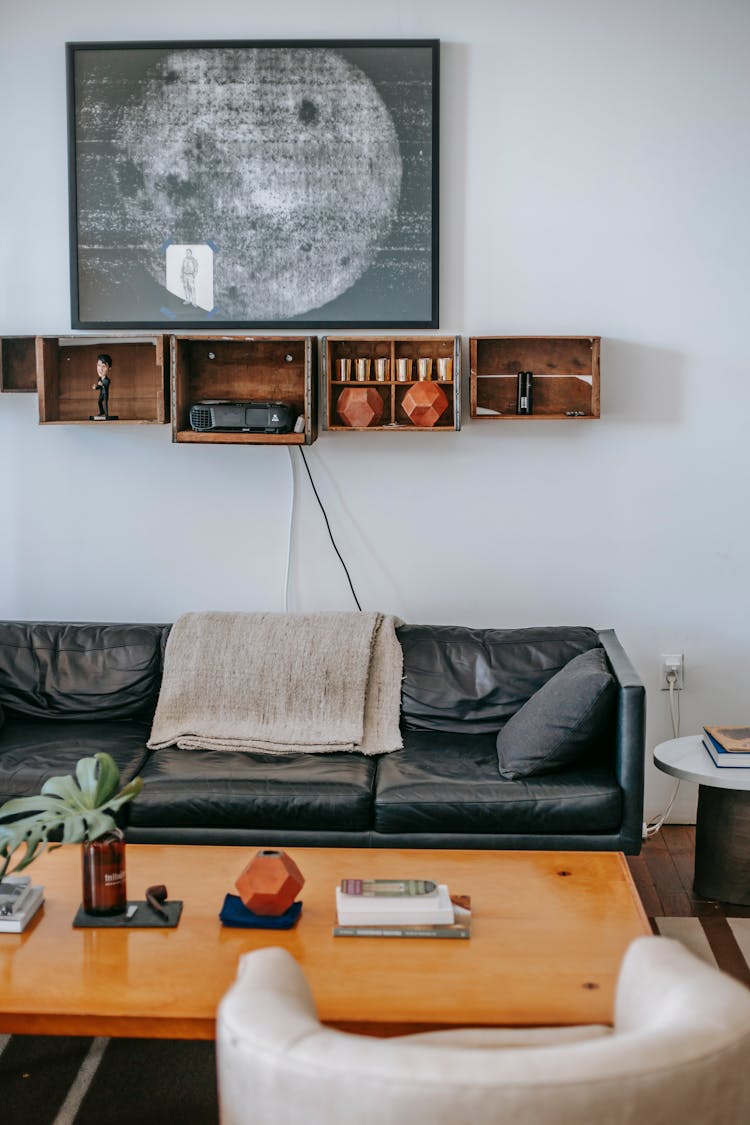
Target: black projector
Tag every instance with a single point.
(219, 416)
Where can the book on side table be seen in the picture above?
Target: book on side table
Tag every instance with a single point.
(733, 739)
(729, 747)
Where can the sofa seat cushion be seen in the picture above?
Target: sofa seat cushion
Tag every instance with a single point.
(472, 680)
(80, 671)
(442, 783)
(33, 750)
(238, 789)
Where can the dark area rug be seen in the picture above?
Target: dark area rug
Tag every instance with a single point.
(51, 1080)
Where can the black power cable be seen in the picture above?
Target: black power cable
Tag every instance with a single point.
(328, 526)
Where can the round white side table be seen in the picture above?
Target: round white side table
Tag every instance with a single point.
(722, 830)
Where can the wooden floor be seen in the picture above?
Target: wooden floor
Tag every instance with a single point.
(663, 873)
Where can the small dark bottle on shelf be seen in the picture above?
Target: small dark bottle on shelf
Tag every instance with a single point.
(523, 398)
(104, 886)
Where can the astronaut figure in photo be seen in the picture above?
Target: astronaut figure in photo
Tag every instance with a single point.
(188, 273)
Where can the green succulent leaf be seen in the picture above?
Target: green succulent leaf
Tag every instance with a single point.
(26, 805)
(96, 823)
(105, 784)
(80, 806)
(86, 771)
(34, 845)
(65, 790)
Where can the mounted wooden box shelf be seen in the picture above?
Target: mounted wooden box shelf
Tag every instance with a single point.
(565, 373)
(244, 369)
(18, 364)
(66, 374)
(392, 383)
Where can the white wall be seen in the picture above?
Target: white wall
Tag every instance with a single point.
(595, 170)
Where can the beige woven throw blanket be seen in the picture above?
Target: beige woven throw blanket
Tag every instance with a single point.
(281, 683)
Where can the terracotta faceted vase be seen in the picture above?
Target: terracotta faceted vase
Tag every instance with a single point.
(424, 403)
(270, 883)
(359, 407)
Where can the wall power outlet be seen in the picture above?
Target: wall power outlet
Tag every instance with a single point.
(673, 662)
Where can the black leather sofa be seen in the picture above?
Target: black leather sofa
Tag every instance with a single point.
(68, 690)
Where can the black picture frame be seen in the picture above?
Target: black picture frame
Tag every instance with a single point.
(254, 184)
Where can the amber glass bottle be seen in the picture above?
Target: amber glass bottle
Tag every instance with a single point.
(104, 887)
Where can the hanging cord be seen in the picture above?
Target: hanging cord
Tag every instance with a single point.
(328, 526)
(291, 529)
(655, 824)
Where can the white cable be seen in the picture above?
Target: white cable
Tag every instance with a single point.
(291, 530)
(674, 705)
(655, 824)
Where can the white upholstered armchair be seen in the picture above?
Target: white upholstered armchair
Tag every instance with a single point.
(679, 1054)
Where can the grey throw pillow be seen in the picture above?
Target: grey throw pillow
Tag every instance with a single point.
(560, 720)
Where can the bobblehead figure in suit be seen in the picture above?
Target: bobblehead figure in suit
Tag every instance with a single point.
(103, 368)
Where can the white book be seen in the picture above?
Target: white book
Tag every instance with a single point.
(382, 910)
(17, 922)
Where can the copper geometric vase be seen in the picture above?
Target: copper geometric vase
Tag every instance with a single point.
(270, 882)
(424, 403)
(359, 407)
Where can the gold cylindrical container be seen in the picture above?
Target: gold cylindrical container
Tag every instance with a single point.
(403, 370)
(444, 369)
(382, 368)
(343, 369)
(424, 368)
(362, 369)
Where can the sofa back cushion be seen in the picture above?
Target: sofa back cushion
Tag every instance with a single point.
(472, 680)
(562, 721)
(80, 671)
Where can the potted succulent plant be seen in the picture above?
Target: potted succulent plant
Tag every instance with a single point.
(72, 810)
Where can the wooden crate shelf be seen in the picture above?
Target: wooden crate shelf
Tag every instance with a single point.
(66, 374)
(244, 369)
(349, 399)
(565, 370)
(18, 364)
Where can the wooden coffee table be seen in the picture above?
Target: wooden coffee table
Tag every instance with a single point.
(549, 932)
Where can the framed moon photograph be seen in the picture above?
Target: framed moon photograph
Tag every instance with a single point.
(275, 183)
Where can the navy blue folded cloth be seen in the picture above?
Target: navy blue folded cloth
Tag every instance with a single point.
(235, 913)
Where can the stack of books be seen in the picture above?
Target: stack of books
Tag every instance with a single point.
(19, 901)
(729, 747)
(400, 908)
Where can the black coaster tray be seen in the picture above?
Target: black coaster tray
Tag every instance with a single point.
(143, 918)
